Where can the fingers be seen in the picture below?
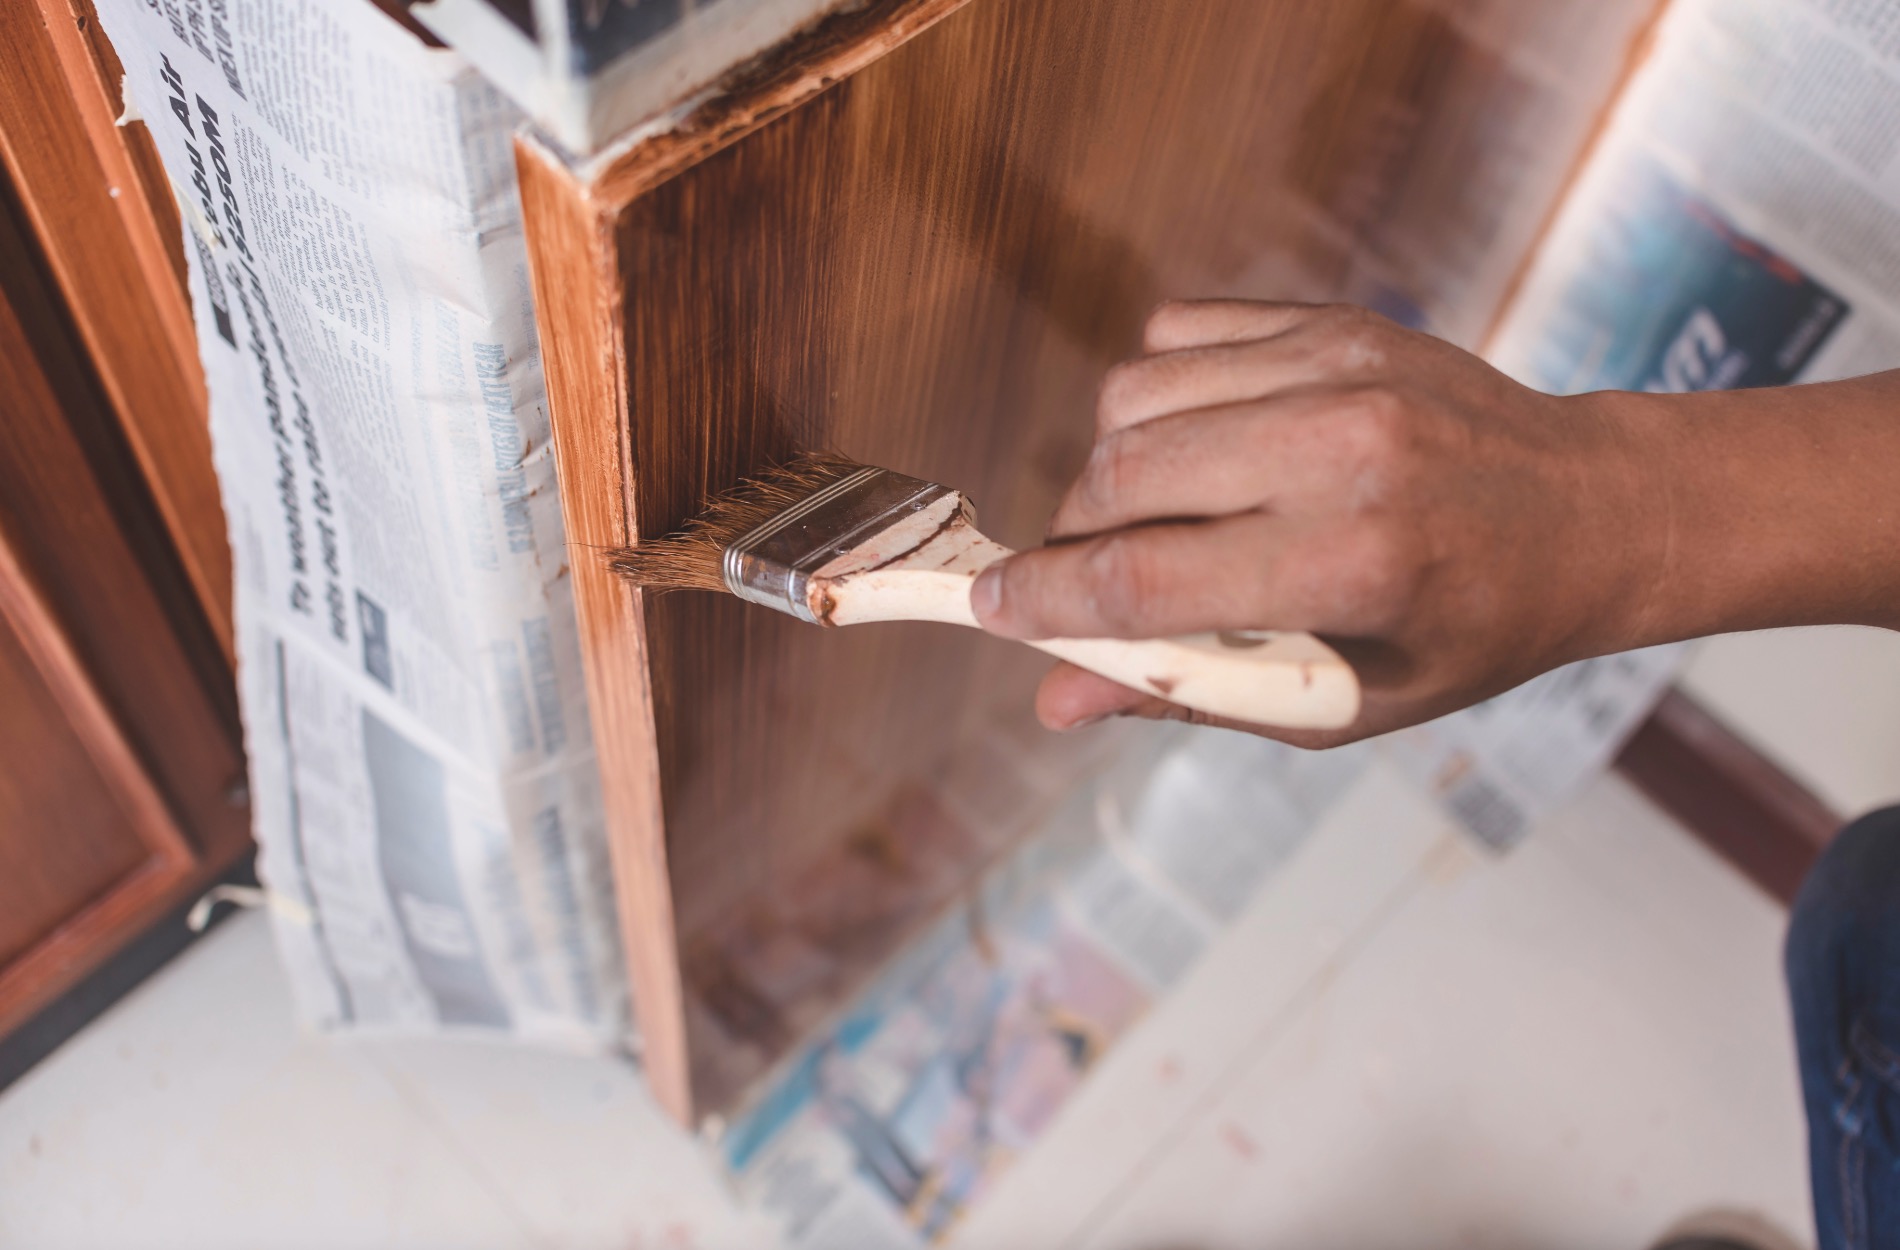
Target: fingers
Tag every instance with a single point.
(1250, 571)
(1201, 323)
(1072, 697)
(1330, 345)
(1196, 464)
(1288, 454)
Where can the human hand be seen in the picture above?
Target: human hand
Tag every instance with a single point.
(1293, 467)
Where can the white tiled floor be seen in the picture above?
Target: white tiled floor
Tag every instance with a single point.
(1403, 1044)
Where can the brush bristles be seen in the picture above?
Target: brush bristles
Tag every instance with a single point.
(690, 558)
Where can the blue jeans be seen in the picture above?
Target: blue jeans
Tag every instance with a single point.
(1843, 964)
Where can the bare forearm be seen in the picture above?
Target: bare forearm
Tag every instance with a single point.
(1771, 507)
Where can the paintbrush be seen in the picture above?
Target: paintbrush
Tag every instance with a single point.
(834, 542)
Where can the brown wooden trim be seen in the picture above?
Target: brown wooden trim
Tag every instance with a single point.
(49, 1027)
(87, 524)
(68, 953)
(577, 297)
(1728, 794)
(92, 592)
(572, 217)
(86, 185)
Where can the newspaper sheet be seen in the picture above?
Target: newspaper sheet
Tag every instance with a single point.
(1738, 225)
(422, 771)
(886, 1129)
(1500, 767)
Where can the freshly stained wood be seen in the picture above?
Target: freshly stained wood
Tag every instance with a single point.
(918, 238)
(578, 302)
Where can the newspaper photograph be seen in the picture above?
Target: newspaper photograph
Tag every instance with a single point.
(1501, 766)
(1735, 227)
(1739, 219)
(422, 772)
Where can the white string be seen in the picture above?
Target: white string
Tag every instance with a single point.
(248, 896)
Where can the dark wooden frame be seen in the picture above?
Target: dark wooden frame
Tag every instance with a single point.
(1730, 795)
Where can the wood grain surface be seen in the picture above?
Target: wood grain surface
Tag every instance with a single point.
(102, 212)
(918, 238)
(121, 765)
(578, 310)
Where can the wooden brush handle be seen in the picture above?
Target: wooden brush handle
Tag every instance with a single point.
(1288, 680)
(1291, 680)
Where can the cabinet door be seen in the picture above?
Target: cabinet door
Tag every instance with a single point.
(121, 773)
(919, 236)
(86, 841)
(100, 210)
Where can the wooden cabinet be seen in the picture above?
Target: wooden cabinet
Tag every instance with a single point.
(918, 235)
(94, 201)
(121, 763)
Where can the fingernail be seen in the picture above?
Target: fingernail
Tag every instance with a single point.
(1086, 721)
(986, 595)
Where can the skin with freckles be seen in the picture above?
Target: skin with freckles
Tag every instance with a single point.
(1450, 532)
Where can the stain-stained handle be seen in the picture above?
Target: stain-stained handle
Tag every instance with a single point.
(1289, 680)
(921, 570)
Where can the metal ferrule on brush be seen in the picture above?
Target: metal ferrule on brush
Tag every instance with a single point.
(772, 563)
